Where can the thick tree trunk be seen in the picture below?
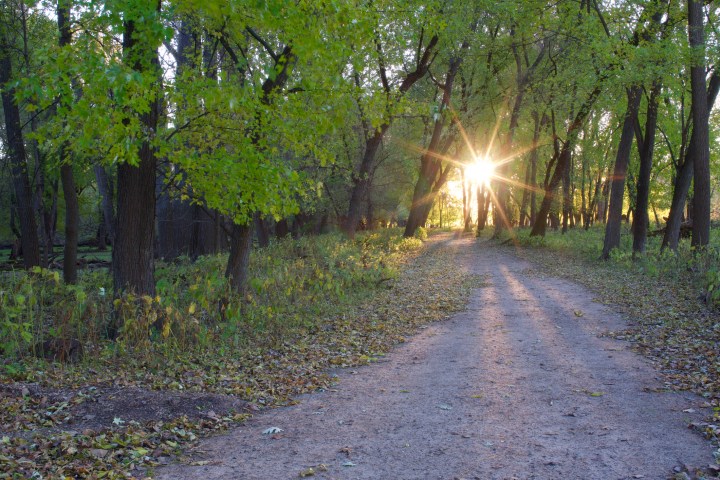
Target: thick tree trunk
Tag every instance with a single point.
(18, 160)
(282, 229)
(701, 179)
(684, 176)
(361, 181)
(133, 252)
(239, 259)
(617, 189)
(647, 147)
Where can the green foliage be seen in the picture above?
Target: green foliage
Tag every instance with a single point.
(37, 306)
(195, 309)
(421, 233)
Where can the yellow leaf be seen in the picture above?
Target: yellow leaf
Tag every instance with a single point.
(191, 308)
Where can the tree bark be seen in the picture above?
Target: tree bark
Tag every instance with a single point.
(106, 198)
(262, 231)
(72, 209)
(362, 177)
(646, 148)
(684, 177)
(430, 161)
(18, 159)
(617, 188)
(239, 259)
(567, 197)
(133, 252)
(563, 159)
(701, 178)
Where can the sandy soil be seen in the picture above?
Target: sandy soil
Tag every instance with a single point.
(519, 386)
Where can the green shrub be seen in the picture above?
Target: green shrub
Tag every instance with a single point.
(291, 283)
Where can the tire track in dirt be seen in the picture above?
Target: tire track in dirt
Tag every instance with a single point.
(518, 386)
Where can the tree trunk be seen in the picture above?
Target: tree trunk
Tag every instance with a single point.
(133, 252)
(533, 169)
(563, 159)
(106, 196)
(281, 229)
(361, 181)
(684, 177)
(239, 259)
(430, 162)
(72, 209)
(18, 160)
(647, 147)
(701, 179)
(567, 198)
(362, 178)
(617, 189)
(262, 231)
(524, 215)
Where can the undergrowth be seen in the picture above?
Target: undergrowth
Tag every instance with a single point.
(313, 304)
(195, 308)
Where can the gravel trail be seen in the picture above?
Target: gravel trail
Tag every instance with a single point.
(518, 386)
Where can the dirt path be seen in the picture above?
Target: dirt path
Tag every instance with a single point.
(519, 386)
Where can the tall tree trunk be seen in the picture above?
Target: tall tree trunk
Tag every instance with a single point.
(617, 189)
(18, 159)
(133, 252)
(567, 197)
(684, 176)
(183, 227)
(701, 180)
(646, 148)
(72, 209)
(563, 159)
(483, 205)
(524, 214)
(430, 163)
(533, 169)
(361, 179)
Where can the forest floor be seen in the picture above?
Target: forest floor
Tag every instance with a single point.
(526, 383)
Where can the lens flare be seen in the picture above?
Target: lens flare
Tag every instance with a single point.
(480, 172)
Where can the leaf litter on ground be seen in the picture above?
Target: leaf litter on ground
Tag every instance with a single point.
(669, 322)
(51, 427)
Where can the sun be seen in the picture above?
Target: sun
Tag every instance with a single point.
(480, 172)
